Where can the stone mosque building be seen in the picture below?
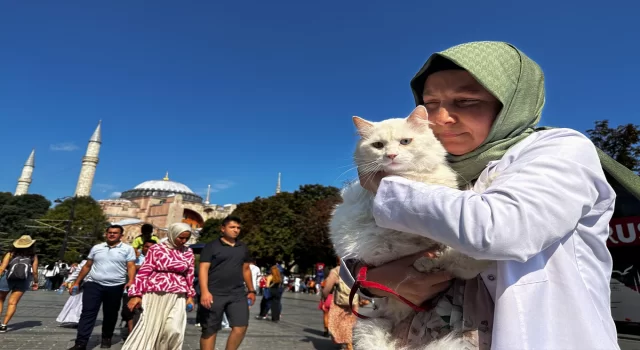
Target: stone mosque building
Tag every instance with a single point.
(158, 202)
(161, 203)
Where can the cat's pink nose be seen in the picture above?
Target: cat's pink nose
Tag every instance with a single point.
(392, 156)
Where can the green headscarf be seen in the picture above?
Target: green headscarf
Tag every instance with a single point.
(518, 83)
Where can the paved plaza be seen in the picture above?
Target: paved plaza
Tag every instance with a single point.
(34, 327)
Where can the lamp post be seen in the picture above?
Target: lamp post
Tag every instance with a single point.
(63, 248)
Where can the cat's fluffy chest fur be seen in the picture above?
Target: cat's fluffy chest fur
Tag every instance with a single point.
(409, 149)
(354, 231)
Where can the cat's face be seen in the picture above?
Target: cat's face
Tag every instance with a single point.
(398, 146)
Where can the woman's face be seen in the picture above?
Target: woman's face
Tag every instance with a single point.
(182, 239)
(461, 110)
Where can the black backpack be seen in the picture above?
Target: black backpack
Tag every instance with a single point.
(19, 268)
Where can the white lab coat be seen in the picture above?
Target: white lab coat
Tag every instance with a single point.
(542, 212)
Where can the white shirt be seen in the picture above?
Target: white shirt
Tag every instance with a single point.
(109, 266)
(73, 276)
(255, 271)
(541, 212)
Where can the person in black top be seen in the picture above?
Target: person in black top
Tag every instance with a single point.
(224, 271)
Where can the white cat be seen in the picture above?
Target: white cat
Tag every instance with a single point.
(408, 148)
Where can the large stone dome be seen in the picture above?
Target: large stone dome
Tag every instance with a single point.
(162, 188)
(164, 185)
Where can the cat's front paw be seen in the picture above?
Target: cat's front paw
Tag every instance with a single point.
(425, 264)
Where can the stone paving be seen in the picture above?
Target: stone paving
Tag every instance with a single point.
(34, 327)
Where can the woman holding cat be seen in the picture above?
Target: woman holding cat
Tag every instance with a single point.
(536, 201)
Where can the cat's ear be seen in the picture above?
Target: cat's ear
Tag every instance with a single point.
(419, 116)
(363, 126)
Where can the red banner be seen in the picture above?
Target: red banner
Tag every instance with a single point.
(624, 232)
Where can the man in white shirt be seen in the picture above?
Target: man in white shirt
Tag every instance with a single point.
(108, 268)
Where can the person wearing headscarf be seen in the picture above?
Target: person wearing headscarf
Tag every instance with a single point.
(164, 289)
(535, 200)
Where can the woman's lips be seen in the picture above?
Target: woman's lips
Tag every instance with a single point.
(449, 135)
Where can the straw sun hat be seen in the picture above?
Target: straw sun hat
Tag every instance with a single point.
(24, 242)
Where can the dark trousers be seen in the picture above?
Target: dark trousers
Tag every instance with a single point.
(273, 302)
(93, 295)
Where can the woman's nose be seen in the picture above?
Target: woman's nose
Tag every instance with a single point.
(441, 116)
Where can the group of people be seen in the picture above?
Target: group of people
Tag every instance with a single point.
(535, 200)
(156, 278)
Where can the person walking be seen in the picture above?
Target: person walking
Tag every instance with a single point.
(18, 271)
(146, 234)
(72, 310)
(108, 267)
(131, 317)
(339, 318)
(224, 272)
(272, 298)
(164, 289)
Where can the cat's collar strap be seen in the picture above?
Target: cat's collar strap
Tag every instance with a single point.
(361, 282)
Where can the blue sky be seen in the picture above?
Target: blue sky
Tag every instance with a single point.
(230, 93)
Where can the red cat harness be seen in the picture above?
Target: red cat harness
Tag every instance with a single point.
(361, 281)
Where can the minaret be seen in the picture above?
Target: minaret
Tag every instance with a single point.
(25, 178)
(89, 163)
(278, 185)
(206, 201)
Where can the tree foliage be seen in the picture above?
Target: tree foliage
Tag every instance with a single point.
(87, 228)
(210, 230)
(290, 227)
(17, 212)
(621, 143)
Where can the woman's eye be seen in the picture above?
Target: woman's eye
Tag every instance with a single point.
(377, 145)
(405, 141)
(467, 103)
(431, 104)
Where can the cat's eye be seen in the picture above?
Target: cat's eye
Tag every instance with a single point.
(405, 141)
(377, 145)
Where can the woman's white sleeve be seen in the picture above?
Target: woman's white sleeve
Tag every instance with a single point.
(538, 199)
(74, 276)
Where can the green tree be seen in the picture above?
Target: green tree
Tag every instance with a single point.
(87, 228)
(210, 230)
(17, 212)
(290, 227)
(314, 244)
(621, 143)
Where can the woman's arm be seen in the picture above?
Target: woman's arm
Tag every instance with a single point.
(76, 272)
(139, 286)
(34, 267)
(190, 273)
(330, 282)
(536, 201)
(5, 263)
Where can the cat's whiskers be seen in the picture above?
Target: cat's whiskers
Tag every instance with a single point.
(367, 174)
(353, 167)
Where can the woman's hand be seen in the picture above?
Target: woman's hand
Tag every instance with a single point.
(134, 303)
(190, 302)
(405, 280)
(75, 285)
(371, 181)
